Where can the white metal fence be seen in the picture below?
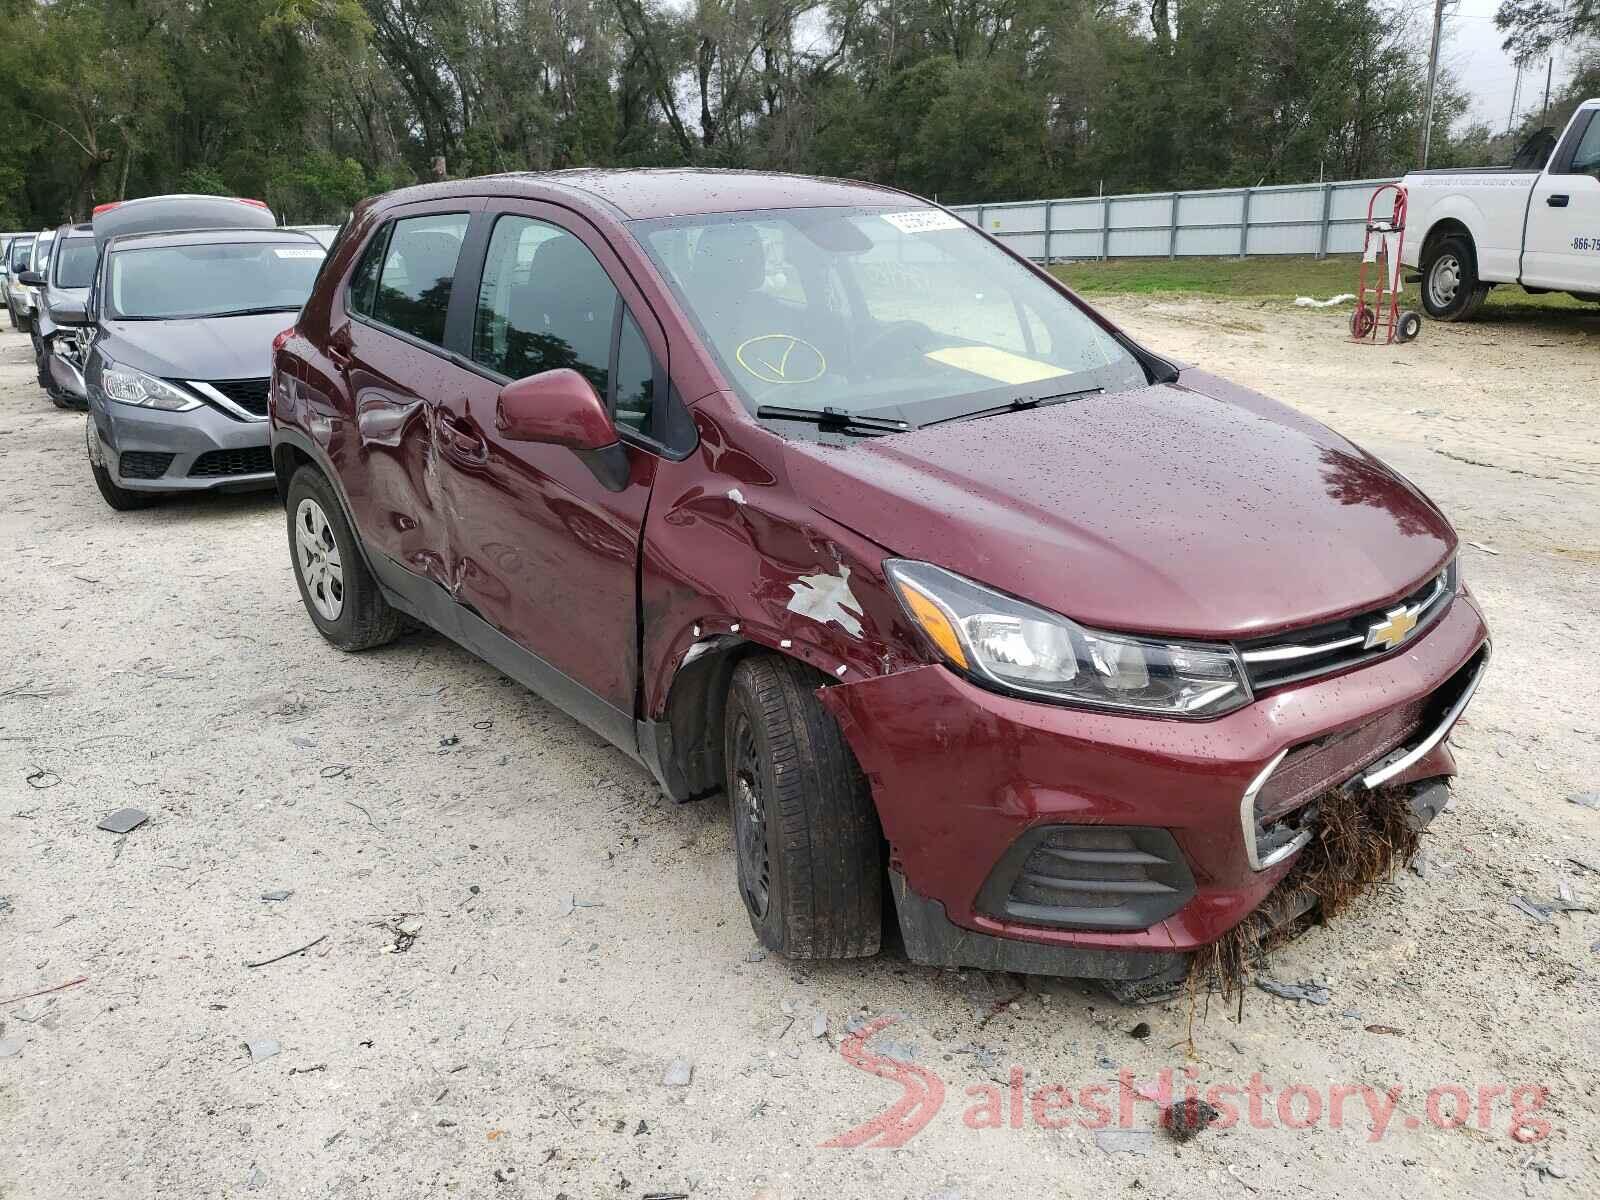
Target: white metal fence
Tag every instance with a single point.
(1303, 218)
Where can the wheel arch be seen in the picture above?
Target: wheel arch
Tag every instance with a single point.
(1446, 227)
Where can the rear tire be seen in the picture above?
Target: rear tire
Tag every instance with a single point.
(806, 833)
(1451, 290)
(119, 498)
(342, 598)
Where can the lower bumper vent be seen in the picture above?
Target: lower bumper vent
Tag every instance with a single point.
(143, 464)
(1089, 877)
(255, 461)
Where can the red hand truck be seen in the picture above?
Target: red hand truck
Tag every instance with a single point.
(1378, 300)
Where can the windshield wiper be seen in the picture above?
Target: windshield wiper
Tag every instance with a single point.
(251, 312)
(834, 418)
(1018, 404)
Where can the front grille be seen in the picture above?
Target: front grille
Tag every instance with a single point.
(1089, 877)
(1277, 809)
(248, 394)
(1337, 645)
(143, 464)
(255, 461)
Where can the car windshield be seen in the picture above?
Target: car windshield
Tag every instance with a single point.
(164, 283)
(75, 259)
(906, 314)
(20, 250)
(41, 253)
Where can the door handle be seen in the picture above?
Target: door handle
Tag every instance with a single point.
(462, 438)
(1559, 200)
(339, 348)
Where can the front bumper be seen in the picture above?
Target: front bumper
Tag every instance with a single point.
(962, 777)
(201, 450)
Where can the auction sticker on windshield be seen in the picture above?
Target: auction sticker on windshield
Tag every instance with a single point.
(297, 252)
(922, 220)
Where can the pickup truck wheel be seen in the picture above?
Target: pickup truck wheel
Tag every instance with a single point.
(806, 836)
(1450, 287)
(342, 598)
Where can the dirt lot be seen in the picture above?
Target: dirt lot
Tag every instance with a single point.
(573, 934)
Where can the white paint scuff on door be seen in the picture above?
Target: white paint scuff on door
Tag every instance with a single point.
(826, 598)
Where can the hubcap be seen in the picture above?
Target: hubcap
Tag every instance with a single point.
(316, 555)
(1444, 280)
(750, 821)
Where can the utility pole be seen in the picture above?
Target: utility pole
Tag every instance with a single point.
(1516, 99)
(1549, 70)
(1433, 78)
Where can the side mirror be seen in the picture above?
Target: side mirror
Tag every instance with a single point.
(31, 279)
(69, 310)
(561, 408)
(558, 408)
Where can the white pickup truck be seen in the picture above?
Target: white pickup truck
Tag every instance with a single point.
(1468, 230)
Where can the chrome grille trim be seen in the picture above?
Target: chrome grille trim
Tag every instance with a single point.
(1345, 643)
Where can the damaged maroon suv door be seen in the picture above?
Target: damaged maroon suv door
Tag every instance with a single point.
(806, 494)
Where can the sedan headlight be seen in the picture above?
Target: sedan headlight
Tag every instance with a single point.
(127, 386)
(1005, 642)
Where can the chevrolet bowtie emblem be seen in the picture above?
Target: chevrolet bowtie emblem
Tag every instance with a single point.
(1392, 630)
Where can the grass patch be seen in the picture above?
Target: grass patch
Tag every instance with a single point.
(1276, 278)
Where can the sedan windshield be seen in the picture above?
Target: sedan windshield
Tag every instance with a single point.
(165, 283)
(75, 259)
(20, 249)
(900, 314)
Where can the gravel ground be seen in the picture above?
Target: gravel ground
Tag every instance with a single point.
(517, 938)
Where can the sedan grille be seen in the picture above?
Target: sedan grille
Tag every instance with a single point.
(257, 460)
(1338, 645)
(248, 394)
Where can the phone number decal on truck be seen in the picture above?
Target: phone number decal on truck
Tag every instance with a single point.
(1583, 243)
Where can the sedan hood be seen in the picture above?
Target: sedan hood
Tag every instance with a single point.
(1197, 508)
(201, 348)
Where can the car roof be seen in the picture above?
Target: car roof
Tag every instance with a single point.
(150, 214)
(210, 237)
(69, 230)
(642, 193)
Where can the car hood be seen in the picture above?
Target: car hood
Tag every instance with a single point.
(199, 348)
(1196, 508)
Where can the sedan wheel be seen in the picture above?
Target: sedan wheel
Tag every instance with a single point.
(317, 556)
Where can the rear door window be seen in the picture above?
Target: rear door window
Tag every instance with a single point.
(419, 269)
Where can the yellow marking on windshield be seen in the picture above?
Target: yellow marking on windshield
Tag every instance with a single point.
(994, 363)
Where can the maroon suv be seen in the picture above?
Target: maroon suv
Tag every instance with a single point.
(807, 492)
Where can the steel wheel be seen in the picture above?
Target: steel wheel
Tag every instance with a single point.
(317, 558)
(1444, 280)
(750, 821)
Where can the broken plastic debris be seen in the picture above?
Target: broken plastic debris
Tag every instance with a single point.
(1585, 799)
(280, 894)
(1123, 1141)
(1313, 993)
(819, 1025)
(1538, 912)
(261, 1048)
(10, 1047)
(678, 1074)
(1309, 302)
(572, 902)
(124, 820)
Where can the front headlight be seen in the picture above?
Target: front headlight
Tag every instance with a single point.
(127, 386)
(1002, 641)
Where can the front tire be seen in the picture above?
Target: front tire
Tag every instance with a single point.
(342, 598)
(806, 835)
(1451, 289)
